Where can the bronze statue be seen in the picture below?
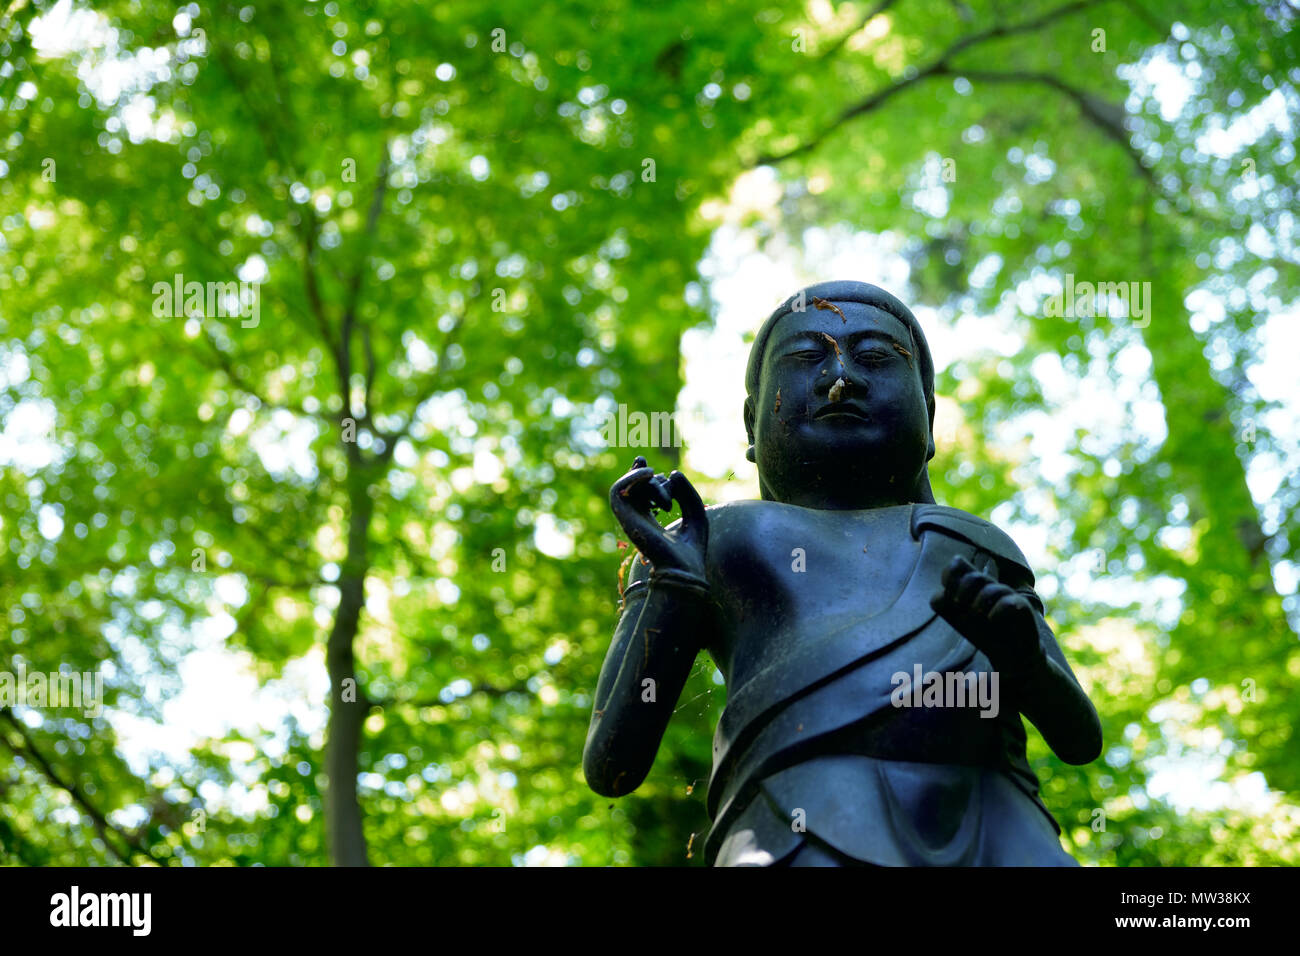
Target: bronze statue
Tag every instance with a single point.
(878, 649)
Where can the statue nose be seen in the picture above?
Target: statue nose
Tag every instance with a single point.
(841, 382)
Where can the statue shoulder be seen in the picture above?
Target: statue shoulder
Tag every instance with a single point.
(1013, 566)
(743, 517)
(733, 522)
(732, 515)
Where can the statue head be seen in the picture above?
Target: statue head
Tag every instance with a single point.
(839, 400)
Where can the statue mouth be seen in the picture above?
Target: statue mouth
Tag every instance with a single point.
(842, 410)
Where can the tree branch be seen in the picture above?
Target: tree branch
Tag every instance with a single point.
(369, 347)
(867, 17)
(101, 823)
(307, 233)
(304, 222)
(430, 386)
(999, 31)
(241, 383)
(1108, 119)
(1141, 13)
(353, 294)
(1096, 111)
(937, 67)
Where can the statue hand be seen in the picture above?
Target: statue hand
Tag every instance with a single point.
(992, 616)
(633, 499)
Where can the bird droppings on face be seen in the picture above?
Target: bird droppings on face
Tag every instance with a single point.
(835, 345)
(830, 307)
(839, 356)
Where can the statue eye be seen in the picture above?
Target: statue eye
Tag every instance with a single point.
(873, 356)
(809, 355)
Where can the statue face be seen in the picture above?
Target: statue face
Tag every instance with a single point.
(841, 417)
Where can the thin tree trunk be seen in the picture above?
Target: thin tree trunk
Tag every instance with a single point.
(348, 704)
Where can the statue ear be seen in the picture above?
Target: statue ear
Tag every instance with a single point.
(749, 427)
(929, 452)
(923, 493)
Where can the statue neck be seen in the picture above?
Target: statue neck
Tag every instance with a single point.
(835, 496)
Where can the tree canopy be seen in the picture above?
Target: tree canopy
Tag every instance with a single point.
(474, 230)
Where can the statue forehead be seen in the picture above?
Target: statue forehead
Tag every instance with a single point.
(851, 316)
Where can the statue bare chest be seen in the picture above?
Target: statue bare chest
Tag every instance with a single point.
(782, 574)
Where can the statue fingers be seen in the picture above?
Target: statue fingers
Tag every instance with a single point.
(1011, 610)
(1012, 620)
(965, 589)
(659, 492)
(956, 614)
(630, 499)
(621, 494)
(648, 537)
(956, 571)
(988, 597)
(695, 521)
